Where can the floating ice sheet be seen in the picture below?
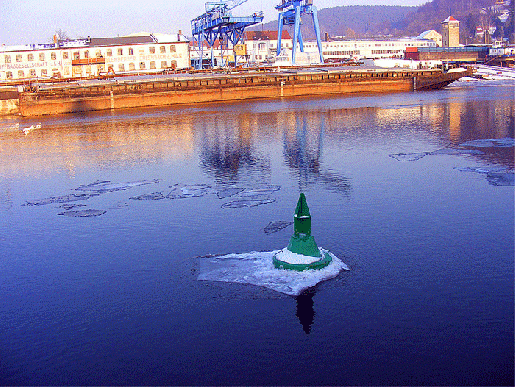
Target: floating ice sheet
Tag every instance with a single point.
(190, 191)
(256, 268)
(247, 203)
(89, 213)
(61, 199)
(482, 169)
(408, 156)
(228, 192)
(102, 186)
(276, 226)
(501, 178)
(150, 196)
(491, 143)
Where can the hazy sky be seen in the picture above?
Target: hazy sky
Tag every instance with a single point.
(35, 21)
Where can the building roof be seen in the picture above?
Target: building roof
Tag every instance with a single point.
(266, 35)
(121, 41)
(450, 19)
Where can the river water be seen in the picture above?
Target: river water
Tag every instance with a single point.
(106, 216)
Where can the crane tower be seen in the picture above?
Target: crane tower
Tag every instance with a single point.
(290, 12)
(219, 23)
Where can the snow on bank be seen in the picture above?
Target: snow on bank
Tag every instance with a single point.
(256, 268)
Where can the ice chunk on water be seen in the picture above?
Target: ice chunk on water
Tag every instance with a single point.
(61, 199)
(453, 151)
(276, 226)
(408, 156)
(247, 203)
(482, 169)
(102, 186)
(190, 191)
(150, 196)
(83, 213)
(260, 191)
(501, 178)
(228, 192)
(491, 143)
(256, 268)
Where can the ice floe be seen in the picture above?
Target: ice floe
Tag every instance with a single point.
(501, 178)
(408, 156)
(256, 268)
(190, 191)
(242, 203)
(491, 143)
(89, 213)
(103, 186)
(228, 192)
(482, 169)
(60, 199)
(276, 226)
(150, 196)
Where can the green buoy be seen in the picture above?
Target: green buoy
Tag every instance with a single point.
(302, 252)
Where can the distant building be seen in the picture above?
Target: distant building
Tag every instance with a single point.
(450, 32)
(373, 49)
(83, 58)
(432, 35)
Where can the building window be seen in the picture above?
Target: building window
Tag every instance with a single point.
(7, 59)
(20, 74)
(131, 51)
(53, 56)
(18, 58)
(41, 56)
(65, 55)
(30, 57)
(152, 65)
(120, 51)
(174, 64)
(162, 49)
(44, 73)
(32, 72)
(142, 65)
(109, 52)
(152, 50)
(9, 75)
(172, 48)
(76, 55)
(86, 54)
(132, 67)
(164, 64)
(98, 54)
(121, 67)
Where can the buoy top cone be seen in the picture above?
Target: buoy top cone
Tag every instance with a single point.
(302, 252)
(302, 217)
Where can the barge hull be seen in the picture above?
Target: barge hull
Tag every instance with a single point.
(194, 90)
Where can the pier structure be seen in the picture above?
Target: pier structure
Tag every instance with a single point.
(218, 23)
(290, 12)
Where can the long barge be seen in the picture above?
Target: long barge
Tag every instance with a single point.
(177, 89)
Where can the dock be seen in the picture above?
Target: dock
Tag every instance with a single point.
(181, 89)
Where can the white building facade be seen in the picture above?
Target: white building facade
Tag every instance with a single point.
(91, 57)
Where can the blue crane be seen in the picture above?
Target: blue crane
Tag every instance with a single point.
(218, 23)
(290, 12)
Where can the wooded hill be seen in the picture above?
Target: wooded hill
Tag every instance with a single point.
(358, 22)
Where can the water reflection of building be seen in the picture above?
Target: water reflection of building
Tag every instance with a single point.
(92, 140)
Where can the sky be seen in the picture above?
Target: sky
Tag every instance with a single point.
(35, 21)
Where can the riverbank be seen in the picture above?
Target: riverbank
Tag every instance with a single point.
(176, 89)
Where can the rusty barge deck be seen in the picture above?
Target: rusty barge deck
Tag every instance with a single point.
(198, 88)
